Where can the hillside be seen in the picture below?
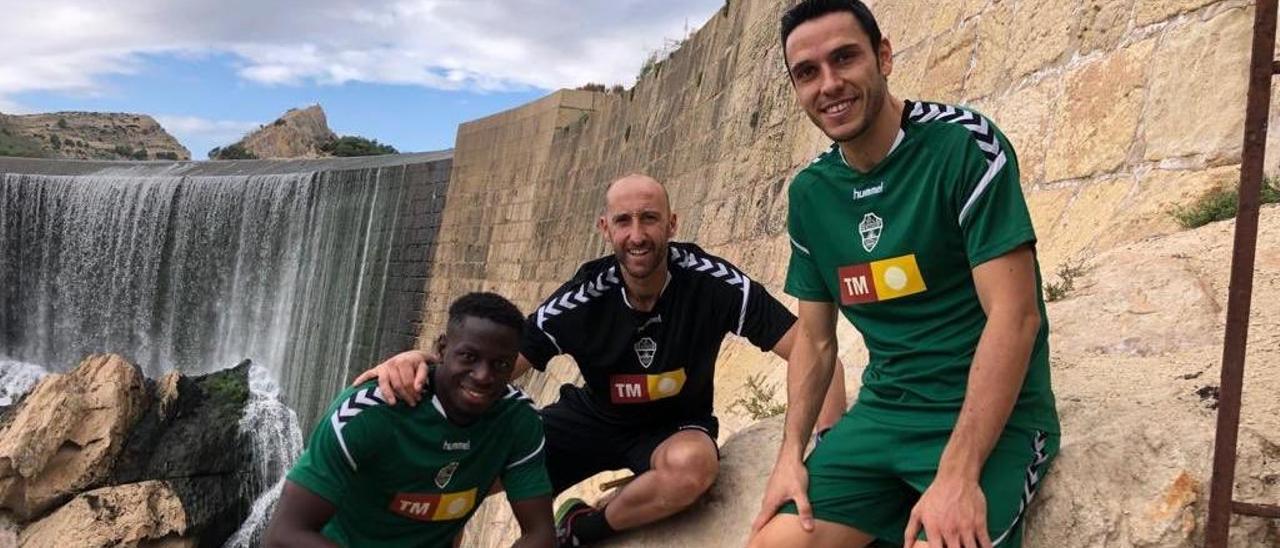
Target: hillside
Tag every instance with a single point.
(88, 136)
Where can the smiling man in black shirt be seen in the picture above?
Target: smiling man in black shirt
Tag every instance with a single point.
(645, 326)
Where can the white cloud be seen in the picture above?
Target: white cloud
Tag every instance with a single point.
(70, 45)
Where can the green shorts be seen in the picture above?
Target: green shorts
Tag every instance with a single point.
(867, 474)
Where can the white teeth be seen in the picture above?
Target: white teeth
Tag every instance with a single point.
(837, 108)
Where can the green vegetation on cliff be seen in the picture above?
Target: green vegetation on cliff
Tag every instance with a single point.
(234, 151)
(351, 145)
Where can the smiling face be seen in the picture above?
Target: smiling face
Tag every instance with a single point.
(638, 223)
(840, 79)
(477, 356)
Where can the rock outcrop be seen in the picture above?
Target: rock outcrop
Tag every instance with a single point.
(147, 513)
(88, 136)
(139, 462)
(66, 435)
(299, 133)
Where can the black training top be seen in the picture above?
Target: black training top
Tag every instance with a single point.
(656, 366)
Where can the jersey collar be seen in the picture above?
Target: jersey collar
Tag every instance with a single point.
(902, 134)
(666, 283)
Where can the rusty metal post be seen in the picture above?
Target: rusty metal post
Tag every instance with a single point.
(1240, 293)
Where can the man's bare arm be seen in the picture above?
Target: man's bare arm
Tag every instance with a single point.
(537, 529)
(954, 504)
(299, 516)
(836, 402)
(809, 368)
(404, 375)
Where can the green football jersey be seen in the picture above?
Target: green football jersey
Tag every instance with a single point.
(894, 249)
(406, 476)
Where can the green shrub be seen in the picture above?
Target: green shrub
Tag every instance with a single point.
(1067, 274)
(123, 150)
(351, 145)
(55, 142)
(140, 154)
(234, 151)
(167, 155)
(1221, 204)
(62, 123)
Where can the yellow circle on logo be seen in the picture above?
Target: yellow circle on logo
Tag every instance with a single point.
(667, 385)
(458, 506)
(896, 277)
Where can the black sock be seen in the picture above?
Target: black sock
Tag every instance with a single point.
(591, 527)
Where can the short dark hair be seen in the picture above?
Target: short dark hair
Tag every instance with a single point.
(808, 10)
(488, 306)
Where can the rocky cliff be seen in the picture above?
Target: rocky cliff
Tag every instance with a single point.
(299, 133)
(88, 136)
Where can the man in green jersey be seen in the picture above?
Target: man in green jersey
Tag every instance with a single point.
(381, 475)
(912, 225)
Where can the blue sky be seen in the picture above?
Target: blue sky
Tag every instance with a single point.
(405, 72)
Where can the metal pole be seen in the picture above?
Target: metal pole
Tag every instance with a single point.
(1261, 70)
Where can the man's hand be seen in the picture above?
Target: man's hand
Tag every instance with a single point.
(953, 513)
(403, 375)
(789, 481)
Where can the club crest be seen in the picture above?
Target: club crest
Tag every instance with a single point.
(445, 475)
(869, 229)
(645, 349)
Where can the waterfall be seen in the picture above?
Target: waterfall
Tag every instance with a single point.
(304, 267)
(196, 266)
(276, 441)
(16, 378)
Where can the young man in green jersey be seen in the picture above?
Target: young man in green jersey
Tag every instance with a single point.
(912, 225)
(381, 475)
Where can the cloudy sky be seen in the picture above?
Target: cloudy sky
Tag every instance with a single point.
(405, 72)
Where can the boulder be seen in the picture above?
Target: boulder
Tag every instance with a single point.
(147, 513)
(65, 435)
(192, 440)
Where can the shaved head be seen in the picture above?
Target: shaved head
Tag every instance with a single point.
(636, 183)
(638, 222)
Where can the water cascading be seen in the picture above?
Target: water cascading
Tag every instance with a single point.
(300, 266)
(184, 266)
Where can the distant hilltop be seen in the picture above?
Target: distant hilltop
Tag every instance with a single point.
(299, 133)
(88, 136)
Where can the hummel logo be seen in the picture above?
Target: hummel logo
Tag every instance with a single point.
(457, 445)
(859, 194)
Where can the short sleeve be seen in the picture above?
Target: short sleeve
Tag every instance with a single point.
(525, 474)
(339, 445)
(765, 320)
(992, 212)
(537, 345)
(804, 279)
